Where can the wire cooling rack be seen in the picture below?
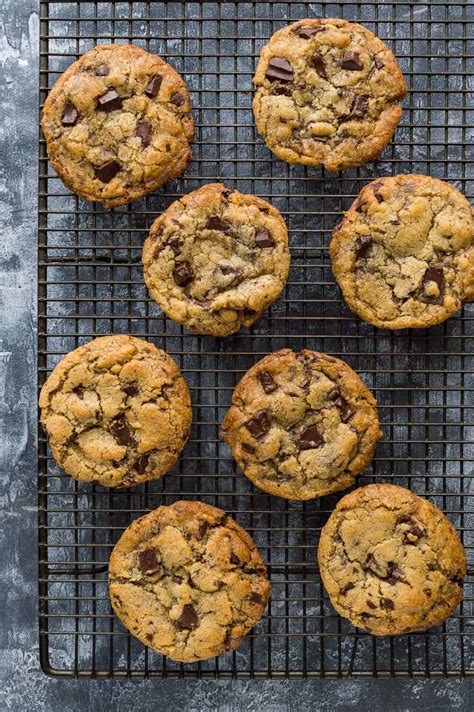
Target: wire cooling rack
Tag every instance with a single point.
(90, 283)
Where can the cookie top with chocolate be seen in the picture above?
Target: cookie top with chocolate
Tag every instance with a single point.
(117, 411)
(391, 562)
(301, 425)
(328, 93)
(216, 259)
(188, 581)
(404, 253)
(117, 124)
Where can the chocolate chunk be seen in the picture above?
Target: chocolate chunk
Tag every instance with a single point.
(230, 269)
(311, 438)
(319, 65)
(188, 619)
(268, 384)
(153, 86)
(412, 535)
(377, 195)
(131, 389)
(281, 90)
(141, 463)
(248, 448)
(436, 275)
(119, 428)
(70, 115)
(348, 587)
(234, 559)
(387, 604)
(428, 592)
(255, 598)
(177, 579)
(143, 131)
(102, 70)
(79, 391)
(360, 205)
(149, 637)
(371, 605)
(378, 63)
(263, 238)
(203, 527)
(183, 274)
(258, 425)
(359, 108)
(109, 101)
(307, 32)
(106, 172)
(149, 564)
(345, 410)
(279, 70)
(177, 99)
(351, 61)
(175, 244)
(394, 574)
(362, 246)
(217, 223)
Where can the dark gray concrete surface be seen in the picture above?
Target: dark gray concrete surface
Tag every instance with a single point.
(23, 686)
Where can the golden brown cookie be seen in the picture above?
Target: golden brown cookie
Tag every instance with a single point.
(301, 425)
(188, 581)
(328, 93)
(391, 562)
(117, 124)
(117, 411)
(216, 259)
(404, 253)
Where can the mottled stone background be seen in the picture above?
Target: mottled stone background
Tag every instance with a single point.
(23, 686)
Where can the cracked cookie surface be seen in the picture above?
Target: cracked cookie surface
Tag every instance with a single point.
(327, 93)
(188, 581)
(117, 124)
(403, 254)
(216, 259)
(117, 411)
(301, 425)
(391, 561)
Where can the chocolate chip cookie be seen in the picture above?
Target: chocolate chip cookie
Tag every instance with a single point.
(117, 124)
(301, 425)
(391, 562)
(216, 259)
(328, 93)
(117, 411)
(188, 581)
(404, 253)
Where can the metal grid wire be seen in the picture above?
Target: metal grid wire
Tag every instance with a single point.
(90, 283)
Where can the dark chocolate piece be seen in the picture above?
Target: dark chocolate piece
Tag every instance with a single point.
(175, 244)
(255, 598)
(387, 604)
(258, 425)
(311, 438)
(106, 172)
(279, 70)
(343, 406)
(359, 108)
(141, 464)
(119, 428)
(263, 238)
(143, 131)
(433, 274)
(188, 619)
(268, 384)
(102, 70)
(348, 587)
(319, 65)
(177, 99)
(203, 527)
(70, 115)
(149, 564)
(371, 605)
(351, 62)
(109, 101)
(153, 86)
(307, 32)
(248, 448)
(362, 246)
(217, 223)
(131, 389)
(183, 274)
(79, 391)
(378, 63)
